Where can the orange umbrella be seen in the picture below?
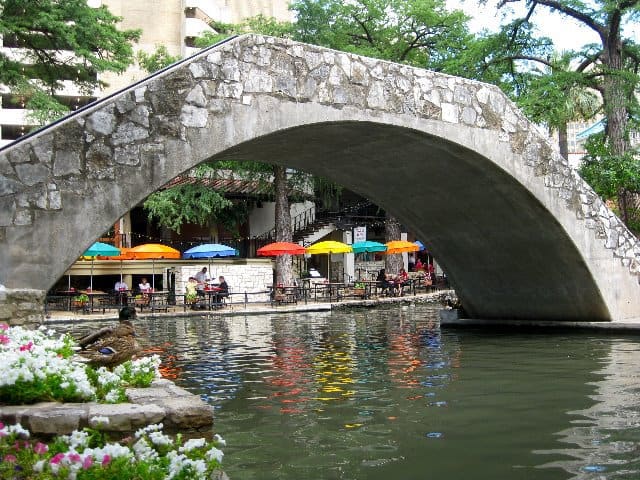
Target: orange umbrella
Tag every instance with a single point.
(401, 246)
(153, 251)
(280, 248)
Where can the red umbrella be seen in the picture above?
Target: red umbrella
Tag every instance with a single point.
(281, 248)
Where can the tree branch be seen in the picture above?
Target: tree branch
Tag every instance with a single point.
(571, 12)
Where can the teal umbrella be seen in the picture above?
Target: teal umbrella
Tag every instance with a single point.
(368, 246)
(102, 250)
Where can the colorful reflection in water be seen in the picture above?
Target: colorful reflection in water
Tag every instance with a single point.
(378, 394)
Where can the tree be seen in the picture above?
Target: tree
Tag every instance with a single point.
(557, 97)
(610, 67)
(159, 59)
(416, 32)
(59, 41)
(284, 272)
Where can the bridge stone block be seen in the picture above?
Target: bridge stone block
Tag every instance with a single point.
(102, 122)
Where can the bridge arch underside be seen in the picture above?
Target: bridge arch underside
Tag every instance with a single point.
(505, 254)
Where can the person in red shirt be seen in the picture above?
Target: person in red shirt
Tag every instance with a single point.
(401, 280)
(418, 266)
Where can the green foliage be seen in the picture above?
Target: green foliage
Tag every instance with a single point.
(327, 192)
(257, 24)
(558, 98)
(44, 30)
(416, 32)
(182, 204)
(42, 107)
(609, 174)
(268, 26)
(82, 298)
(159, 59)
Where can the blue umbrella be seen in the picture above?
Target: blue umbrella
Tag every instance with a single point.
(368, 246)
(210, 250)
(102, 249)
(420, 245)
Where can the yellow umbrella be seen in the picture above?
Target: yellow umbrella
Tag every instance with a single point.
(401, 246)
(329, 247)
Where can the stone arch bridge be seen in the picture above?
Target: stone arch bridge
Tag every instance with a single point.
(519, 233)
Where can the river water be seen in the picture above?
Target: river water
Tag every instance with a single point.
(386, 394)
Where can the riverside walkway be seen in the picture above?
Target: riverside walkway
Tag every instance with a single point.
(449, 318)
(253, 308)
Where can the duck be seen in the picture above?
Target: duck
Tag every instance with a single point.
(110, 346)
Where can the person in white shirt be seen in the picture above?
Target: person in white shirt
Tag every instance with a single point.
(144, 286)
(121, 292)
(201, 277)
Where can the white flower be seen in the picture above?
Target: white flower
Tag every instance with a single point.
(192, 444)
(219, 440)
(214, 454)
(18, 430)
(160, 439)
(113, 450)
(98, 421)
(144, 451)
(154, 427)
(38, 466)
(76, 439)
(113, 396)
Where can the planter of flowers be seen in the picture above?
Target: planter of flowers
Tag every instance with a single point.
(39, 366)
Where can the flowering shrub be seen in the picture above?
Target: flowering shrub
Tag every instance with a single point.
(150, 455)
(37, 366)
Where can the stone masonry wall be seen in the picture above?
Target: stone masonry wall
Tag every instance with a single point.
(21, 306)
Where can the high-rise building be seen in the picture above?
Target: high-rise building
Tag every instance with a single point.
(171, 23)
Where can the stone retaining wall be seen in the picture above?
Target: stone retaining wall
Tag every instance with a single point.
(164, 402)
(21, 306)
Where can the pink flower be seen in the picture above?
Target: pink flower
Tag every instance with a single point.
(88, 461)
(57, 458)
(106, 460)
(74, 457)
(10, 458)
(4, 326)
(4, 339)
(40, 448)
(26, 347)
(1, 425)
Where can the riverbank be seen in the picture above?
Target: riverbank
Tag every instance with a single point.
(242, 309)
(449, 318)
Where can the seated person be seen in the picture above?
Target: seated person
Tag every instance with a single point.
(401, 280)
(384, 282)
(419, 266)
(144, 286)
(431, 272)
(223, 289)
(121, 292)
(191, 295)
